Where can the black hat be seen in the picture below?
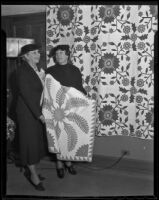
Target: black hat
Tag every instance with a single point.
(61, 47)
(29, 47)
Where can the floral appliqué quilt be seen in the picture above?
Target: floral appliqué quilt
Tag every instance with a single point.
(70, 121)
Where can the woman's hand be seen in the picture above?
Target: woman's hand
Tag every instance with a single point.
(42, 119)
(65, 88)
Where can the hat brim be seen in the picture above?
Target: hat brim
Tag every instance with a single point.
(27, 48)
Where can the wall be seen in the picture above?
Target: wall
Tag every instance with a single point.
(27, 26)
(23, 26)
(33, 26)
(7, 10)
(139, 149)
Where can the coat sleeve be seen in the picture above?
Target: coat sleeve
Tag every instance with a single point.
(29, 91)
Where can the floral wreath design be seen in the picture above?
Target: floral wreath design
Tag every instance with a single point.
(112, 113)
(64, 22)
(145, 125)
(65, 15)
(111, 61)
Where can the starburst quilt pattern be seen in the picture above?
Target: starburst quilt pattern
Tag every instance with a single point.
(70, 121)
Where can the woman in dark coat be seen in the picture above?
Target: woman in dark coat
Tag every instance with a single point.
(70, 76)
(32, 142)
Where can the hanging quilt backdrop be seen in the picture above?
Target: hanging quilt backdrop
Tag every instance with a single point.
(113, 46)
(70, 121)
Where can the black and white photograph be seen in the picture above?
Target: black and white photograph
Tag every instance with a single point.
(81, 109)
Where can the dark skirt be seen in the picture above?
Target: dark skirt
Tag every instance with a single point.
(32, 139)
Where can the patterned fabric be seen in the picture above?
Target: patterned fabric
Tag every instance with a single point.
(70, 121)
(10, 129)
(113, 46)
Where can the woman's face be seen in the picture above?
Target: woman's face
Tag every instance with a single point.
(34, 56)
(61, 57)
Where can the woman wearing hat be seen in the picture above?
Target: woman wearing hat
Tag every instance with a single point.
(32, 141)
(70, 76)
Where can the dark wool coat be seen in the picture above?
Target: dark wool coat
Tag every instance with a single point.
(68, 75)
(32, 141)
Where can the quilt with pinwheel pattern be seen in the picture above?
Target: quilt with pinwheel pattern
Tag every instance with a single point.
(70, 121)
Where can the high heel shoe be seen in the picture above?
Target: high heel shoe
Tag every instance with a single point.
(71, 169)
(60, 172)
(38, 186)
(41, 177)
(28, 174)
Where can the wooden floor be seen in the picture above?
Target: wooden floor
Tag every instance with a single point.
(104, 177)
